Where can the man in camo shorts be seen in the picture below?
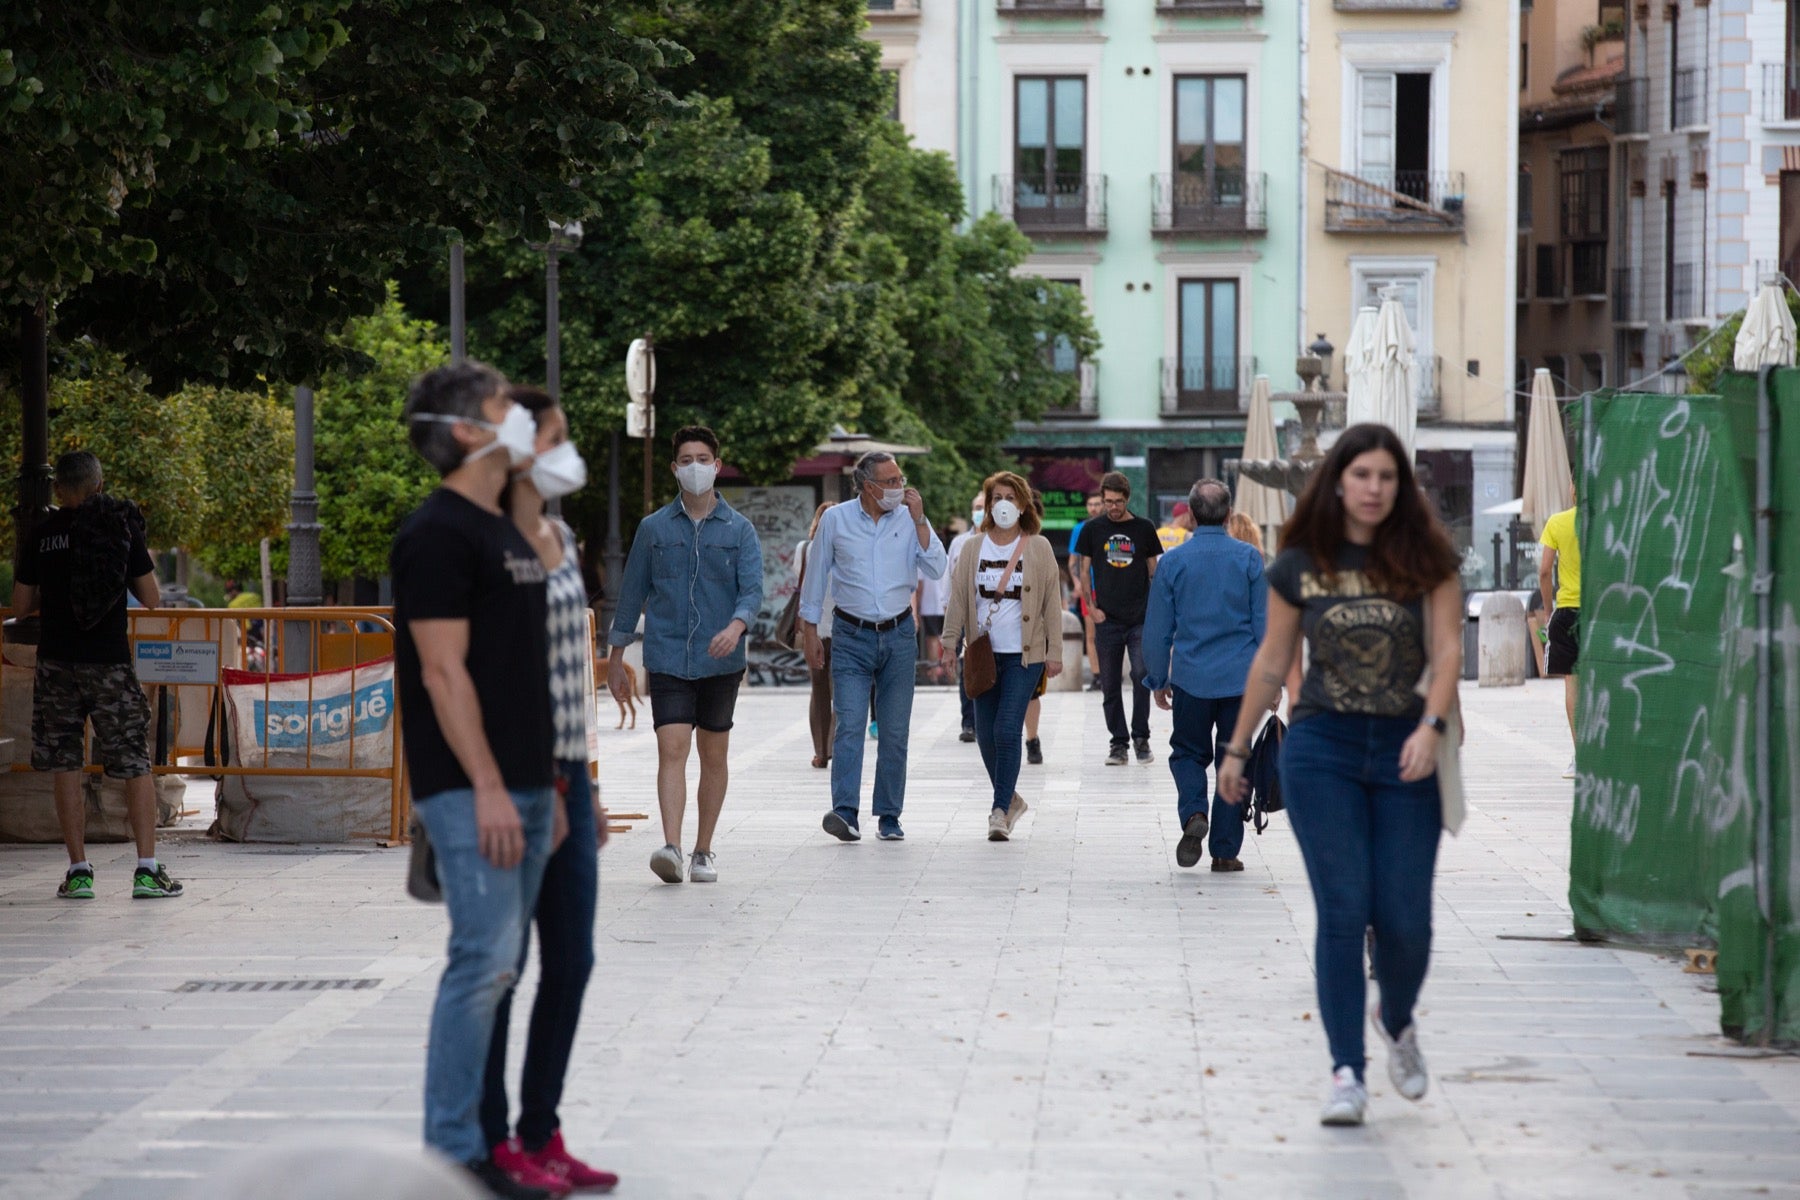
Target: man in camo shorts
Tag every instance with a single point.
(76, 568)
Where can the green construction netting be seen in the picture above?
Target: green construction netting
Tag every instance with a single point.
(1664, 818)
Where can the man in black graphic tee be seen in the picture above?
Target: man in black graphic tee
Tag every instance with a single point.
(1118, 552)
(472, 659)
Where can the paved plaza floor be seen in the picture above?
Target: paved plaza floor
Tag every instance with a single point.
(1065, 1015)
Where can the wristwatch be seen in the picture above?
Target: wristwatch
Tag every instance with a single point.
(1437, 723)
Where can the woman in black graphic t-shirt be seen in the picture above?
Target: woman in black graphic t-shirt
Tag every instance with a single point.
(1364, 565)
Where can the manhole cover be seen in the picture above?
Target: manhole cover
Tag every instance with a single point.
(279, 985)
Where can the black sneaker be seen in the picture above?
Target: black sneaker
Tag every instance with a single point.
(967, 734)
(841, 829)
(1116, 757)
(1143, 751)
(1034, 752)
(1193, 841)
(498, 1183)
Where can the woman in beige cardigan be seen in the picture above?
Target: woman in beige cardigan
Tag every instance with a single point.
(1005, 583)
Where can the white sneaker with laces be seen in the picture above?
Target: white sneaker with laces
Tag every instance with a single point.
(997, 827)
(667, 864)
(1017, 810)
(1347, 1101)
(1406, 1062)
(703, 867)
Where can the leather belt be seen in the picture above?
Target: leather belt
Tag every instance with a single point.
(876, 626)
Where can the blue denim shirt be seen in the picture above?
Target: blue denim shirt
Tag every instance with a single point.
(1209, 604)
(689, 580)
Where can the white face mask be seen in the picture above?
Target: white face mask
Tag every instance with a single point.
(696, 478)
(558, 471)
(891, 498)
(516, 432)
(1006, 514)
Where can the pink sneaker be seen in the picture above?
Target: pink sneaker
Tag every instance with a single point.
(555, 1160)
(511, 1156)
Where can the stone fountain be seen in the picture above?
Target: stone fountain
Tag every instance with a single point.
(1291, 474)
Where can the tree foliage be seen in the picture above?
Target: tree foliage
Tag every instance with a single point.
(366, 474)
(246, 442)
(1714, 357)
(799, 264)
(369, 130)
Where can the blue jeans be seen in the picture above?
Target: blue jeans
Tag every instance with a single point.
(1370, 844)
(489, 909)
(1202, 728)
(565, 923)
(1112, 640)
(1000, 723)
(870, 669)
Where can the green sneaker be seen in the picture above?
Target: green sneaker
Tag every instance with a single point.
(78, 884)
(153, 885)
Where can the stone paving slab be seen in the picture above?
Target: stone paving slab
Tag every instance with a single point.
(1064, 1015)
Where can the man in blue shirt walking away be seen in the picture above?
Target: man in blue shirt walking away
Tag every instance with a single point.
(872, 550)
(1208, 607)
(695, 573)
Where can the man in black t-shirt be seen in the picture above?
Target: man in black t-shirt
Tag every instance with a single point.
(76, 568)
(1112, 564)
(472, 657)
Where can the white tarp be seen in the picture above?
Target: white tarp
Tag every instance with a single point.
(348, 722)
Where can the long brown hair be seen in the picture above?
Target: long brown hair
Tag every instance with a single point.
(1412, 552)
(1029, 520)
(1241, 527)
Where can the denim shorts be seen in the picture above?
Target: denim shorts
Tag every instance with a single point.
(708, 703)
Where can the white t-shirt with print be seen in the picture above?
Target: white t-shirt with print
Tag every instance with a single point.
(1003, 624)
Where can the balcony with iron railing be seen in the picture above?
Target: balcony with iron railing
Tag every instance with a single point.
(1430, 378)
(1206, 387)
(1053, 205)
(1627, 300)
(888, 10)
(1587, 270)
(1087, 393)
(1780, 92)
(1049, 8)
(1226, 203)
(1689, 99)
(1206, 8)
(1683, 300)
(1393, 202)
(1549, 278)
(1631, 107)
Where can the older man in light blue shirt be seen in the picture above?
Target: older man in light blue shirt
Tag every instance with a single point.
(872, 550)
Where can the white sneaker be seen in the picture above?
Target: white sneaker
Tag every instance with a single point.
(667, 864)
(1406, 1062)
(997, 828)
(1569, 771)
(1019, 808)
(703, 868)
(1347, 1101)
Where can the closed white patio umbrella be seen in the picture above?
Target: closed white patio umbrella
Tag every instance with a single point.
(1394, 373)
(1766, 338)
(1266, 506)
(1359, 404)
(1547, 473)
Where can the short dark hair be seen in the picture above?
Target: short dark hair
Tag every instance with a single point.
(694, 433)
(1209, 502)
(458, 390)
(78, 472)
(534, 400)
(1115, 481)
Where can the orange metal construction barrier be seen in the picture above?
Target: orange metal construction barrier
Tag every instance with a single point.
(187, 658)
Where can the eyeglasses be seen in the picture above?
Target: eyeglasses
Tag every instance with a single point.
(899, 482)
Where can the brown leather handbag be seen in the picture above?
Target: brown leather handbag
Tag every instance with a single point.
(980, 672)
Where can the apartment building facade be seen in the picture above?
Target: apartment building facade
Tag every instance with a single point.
(1709, 152)
(1147, 149)
(1572, 58)
(1412, 186)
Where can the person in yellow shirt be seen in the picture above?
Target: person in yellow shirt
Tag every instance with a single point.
(1179, 528)
(1559, 579)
